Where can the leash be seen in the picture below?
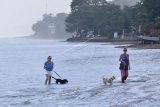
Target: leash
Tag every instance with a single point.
(80, 44)
(58, 74)
(53, 77)
(76, 50)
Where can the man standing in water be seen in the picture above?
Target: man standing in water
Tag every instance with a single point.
(48, 66)
(125, 65)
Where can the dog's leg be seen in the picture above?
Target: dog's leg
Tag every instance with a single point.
(56, 82)
(106, 83)
(103, 81)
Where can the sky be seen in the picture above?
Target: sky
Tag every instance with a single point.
(17, 16)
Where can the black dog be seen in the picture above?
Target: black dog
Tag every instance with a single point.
(60, 81)
(64, 81)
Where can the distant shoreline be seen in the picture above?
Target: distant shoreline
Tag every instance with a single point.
(119, 42)
(141, 46)
(129, 43)
(100, 40)
(41, 38)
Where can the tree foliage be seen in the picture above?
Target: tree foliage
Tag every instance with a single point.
(150, 10)
(51, 26)
(98, 17)
(42, 27)
(152, 7)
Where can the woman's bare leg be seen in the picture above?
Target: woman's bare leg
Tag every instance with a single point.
(47, 78)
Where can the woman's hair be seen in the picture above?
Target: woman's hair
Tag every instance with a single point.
(49, 57)
(124, 49)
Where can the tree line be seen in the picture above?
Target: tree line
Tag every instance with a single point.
(102, 18)
(51, 26)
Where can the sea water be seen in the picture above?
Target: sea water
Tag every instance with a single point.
(83, 64)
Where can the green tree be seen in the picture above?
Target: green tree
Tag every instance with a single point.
(95, 17)
(51, 26)
(59, 25)
(157, 24)
(41, 28)
(152, 7)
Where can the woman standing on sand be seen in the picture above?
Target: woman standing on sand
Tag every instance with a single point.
(124, 65)
(48, 66)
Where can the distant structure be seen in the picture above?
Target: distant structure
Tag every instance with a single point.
(147, 39)
(123, 3)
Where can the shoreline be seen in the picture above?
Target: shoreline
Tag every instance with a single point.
(126, 43)
(141, 46)
(99, 40)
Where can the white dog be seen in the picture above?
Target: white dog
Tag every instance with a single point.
(108, 80)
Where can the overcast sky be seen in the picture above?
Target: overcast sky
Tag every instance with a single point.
(17, 16)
